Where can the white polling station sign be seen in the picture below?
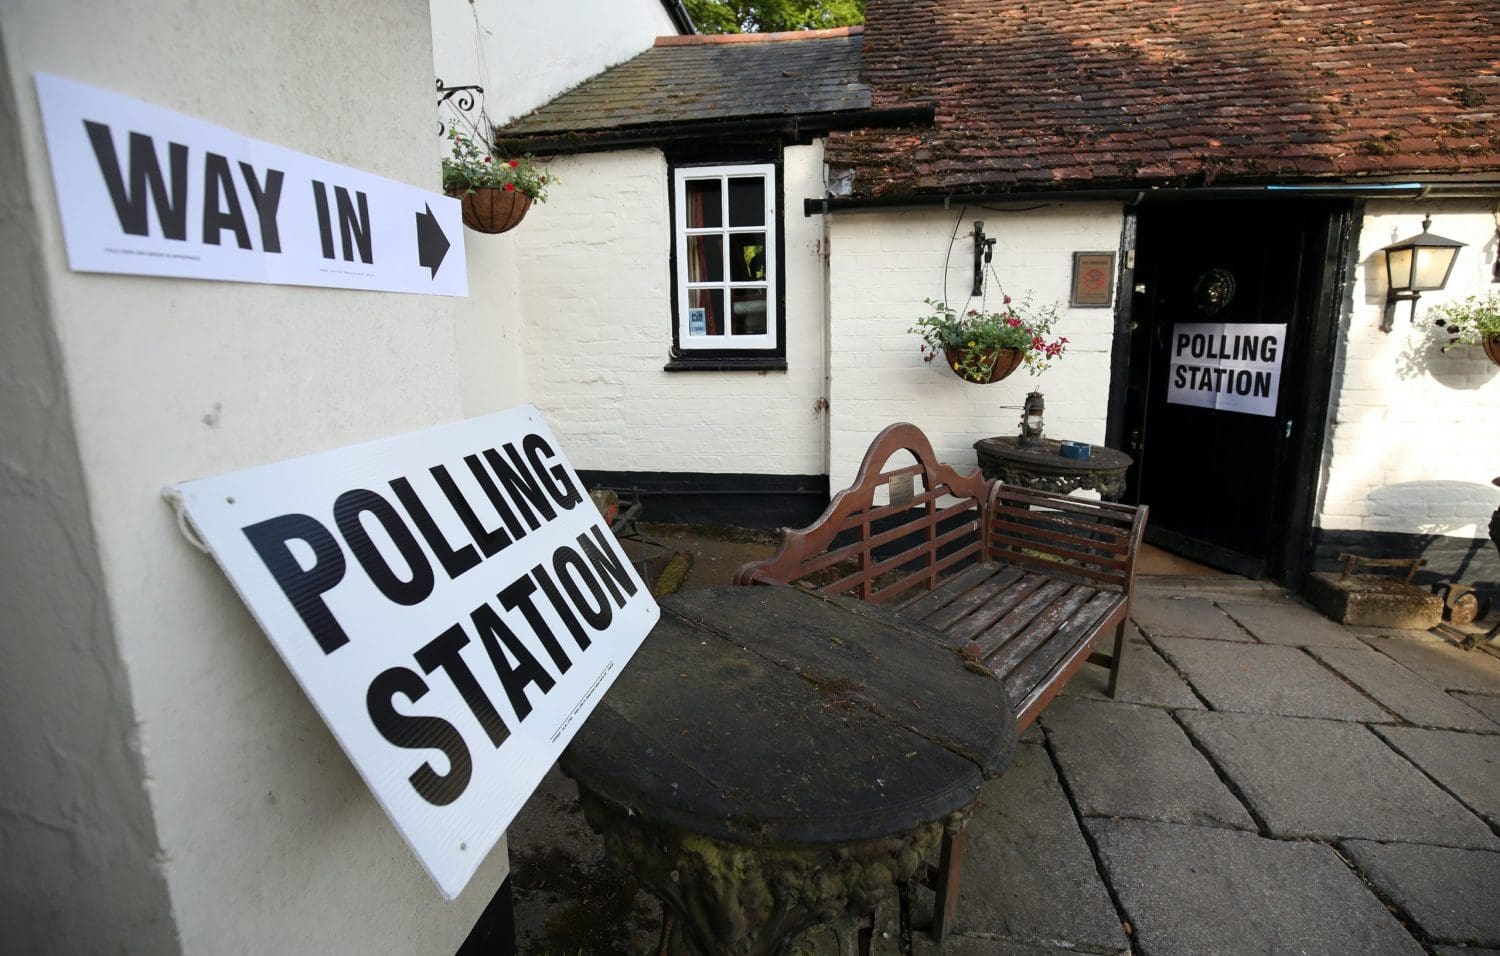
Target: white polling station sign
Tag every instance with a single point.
(1232, 367)
(144, 190)
(451, 601)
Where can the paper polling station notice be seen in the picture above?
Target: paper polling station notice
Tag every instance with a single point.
(1233, 367)
(452, 603)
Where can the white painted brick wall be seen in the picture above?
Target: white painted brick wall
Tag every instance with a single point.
(884, 263)
(1414, 434)
(596, 302)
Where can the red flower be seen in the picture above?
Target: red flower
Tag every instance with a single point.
(509, 187)
(1007, 300)
(1013, 322)
(486, 159)
(514, 163)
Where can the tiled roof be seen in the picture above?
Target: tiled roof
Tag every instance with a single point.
(700, 78)
(1038, 93)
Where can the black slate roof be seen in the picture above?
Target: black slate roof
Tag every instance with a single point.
(704, 78)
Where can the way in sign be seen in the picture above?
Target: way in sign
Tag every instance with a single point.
(143, 180)
(144, 190)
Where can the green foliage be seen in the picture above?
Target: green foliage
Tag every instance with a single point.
(1469, 321)
(976, 334)
(773, 16)
(473, 167)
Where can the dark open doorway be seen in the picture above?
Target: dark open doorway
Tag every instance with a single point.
(1231, 326)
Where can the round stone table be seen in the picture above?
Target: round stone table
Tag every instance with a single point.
(1040, 465)
(772, 758)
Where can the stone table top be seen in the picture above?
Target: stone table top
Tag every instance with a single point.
(775, 716)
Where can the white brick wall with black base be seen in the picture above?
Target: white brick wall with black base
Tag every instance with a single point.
(886, 262)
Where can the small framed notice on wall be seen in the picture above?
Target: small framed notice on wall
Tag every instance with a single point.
(1093, 280)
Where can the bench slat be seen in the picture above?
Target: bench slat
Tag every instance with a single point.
(1003, 578)
(1020, 617)
(1006, 654)
(1096, 548)
(854, 549)
(893, 592)
(1039, 678)
(1099, 530)
(968, 552)
(1108, 510)
(1058, 569)
(892, 563)
(924, 604)
(1038, 542)
(1001, 603)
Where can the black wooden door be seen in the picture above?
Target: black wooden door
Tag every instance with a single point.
(1217, 478)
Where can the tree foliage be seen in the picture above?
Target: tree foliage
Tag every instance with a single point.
(770, 16)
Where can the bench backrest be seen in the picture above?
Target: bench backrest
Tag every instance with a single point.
(1075, 539)
(881, 552)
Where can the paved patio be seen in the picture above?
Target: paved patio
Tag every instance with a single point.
(1267, 781)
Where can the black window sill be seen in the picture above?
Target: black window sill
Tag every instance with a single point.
(710, 363)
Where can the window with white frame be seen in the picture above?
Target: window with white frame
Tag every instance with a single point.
(724, 241)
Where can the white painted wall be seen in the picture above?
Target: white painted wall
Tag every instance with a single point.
(1414, 439)
(886, 262)
(524, 53)
(139, 676)
(597, 305)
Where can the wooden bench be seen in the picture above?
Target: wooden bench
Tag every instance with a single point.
(1025, 582)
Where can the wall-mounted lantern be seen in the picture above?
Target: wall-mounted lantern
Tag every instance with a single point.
(1416, 265)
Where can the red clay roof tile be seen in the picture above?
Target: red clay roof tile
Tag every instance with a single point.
(1153, 92)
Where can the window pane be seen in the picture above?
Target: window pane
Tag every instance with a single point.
(747, 201)
(705, 312)
(705, 258)
(749, 311)
(747, 257)
(704, 206)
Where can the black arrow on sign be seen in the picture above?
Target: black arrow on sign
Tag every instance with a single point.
(432, 245)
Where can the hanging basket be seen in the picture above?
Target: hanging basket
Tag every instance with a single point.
(1491, 347)
(492, 211)
(999, 362)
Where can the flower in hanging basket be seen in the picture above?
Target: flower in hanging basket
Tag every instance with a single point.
(1471, 321)
(981, 346)
(495, 195)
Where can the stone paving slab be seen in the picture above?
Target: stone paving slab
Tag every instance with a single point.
(956, 945)
(1185, 617)
(1330, 780)
(1125, 761)
(1145, 678)
(1266, 679)
(1467, 765)
(1196, 890)
(1486, 704)
(1451, 894)
(1028, 874)
(1448, 666)
(1401, 690)
(1288, 622)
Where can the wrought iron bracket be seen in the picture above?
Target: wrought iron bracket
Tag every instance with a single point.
(984, 251)
(462, 97)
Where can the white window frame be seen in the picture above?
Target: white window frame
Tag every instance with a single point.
(728, 340)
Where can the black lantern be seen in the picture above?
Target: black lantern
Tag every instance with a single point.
(1416, 265)
(1031, 419)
